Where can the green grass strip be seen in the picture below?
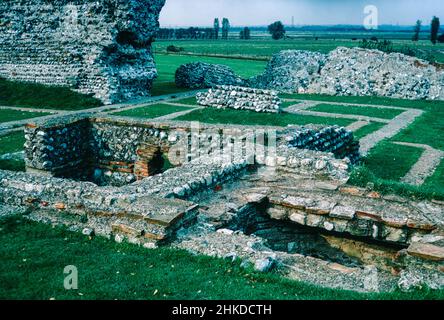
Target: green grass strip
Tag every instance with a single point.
(241, 117)
(363, 176)
(427, 129)
(34, 255)
(188, 101)
(403, 103)
(391, 161)
(31, 95)
(7, 115)
(357, 110)
(151, 111)
(368, 129)
(12, 142)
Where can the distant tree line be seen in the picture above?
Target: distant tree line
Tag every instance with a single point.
(245, 34)
(196, 32)
(188, 33)
(434, 31)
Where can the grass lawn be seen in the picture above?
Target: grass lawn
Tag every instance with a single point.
(392, 161)
(370, 128)
(387, 163)
(168, 64)
(31, 95)
(380, 101)
(189, 101)
(34, 256)
(286, 104)
(213, 115)
(7, 115)
(427, 129)
(151, 111)
(12, 143)
(436, 181)
(357, 110)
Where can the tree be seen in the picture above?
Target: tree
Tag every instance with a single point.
(435, 29)
(245, 34)
(276, 30)
(225, 28)
(417, 30)
(216, 28)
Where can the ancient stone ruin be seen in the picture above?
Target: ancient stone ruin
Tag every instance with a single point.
(336, 140)
(240, 98)
(100, 47)
(352, 72)
(253, 193)
(344, 72)
(200, 75)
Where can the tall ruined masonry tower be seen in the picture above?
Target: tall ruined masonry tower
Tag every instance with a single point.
(99, 47)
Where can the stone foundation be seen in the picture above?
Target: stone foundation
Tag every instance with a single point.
(277, 207)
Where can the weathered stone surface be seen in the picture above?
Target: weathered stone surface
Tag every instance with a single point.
(290, 71)
(240, 98)
(426, 251)
(200, 75)
(352, 72)
(362, 72)
(95, 47)
(343, 212)
(336, 140)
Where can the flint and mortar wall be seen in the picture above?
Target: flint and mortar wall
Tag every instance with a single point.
(241, 98)
(115, 151)
(95, 47)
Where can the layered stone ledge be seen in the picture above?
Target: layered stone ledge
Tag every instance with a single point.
(360, 213)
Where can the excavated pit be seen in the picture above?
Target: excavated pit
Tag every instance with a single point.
(221, 209)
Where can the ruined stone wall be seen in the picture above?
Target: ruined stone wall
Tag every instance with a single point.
(95, 47)
(59, 147)
(240, 98)
(115, 151)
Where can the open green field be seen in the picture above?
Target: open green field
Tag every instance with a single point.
(265, 48)
(34, 256)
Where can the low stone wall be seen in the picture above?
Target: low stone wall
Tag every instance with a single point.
(312, 163)
(59, 147)
(114, 151)
(336, 140)
(240, 98)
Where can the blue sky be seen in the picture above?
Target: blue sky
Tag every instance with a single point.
(305, 12)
